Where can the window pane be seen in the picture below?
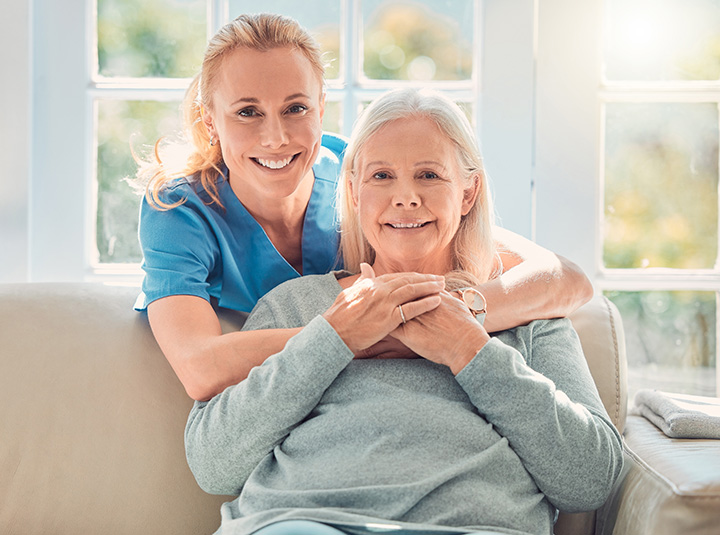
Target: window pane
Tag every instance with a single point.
(661, 185)
(418, 40)
(120, 123)
(671, 340)
(662, 40)
(150, 38)
(320, 17)
(332, 120)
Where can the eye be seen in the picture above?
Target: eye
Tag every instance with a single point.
(429, 175)
(381, 175)
(248, 112)
(297, 109)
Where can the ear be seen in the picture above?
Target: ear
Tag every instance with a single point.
(207, 120)
(323, 100)
(471, 193)
(353, 192)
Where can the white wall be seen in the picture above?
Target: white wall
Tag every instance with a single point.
(567, 144)
(15, 91)
(507, 109)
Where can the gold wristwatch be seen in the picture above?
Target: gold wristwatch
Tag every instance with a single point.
(475, 301)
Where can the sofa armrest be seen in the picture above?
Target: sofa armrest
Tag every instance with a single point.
(670, 486)
(600, 328)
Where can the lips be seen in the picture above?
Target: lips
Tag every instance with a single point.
(275, 163)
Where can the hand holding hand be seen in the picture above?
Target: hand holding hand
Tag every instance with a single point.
(449, 334)
(367, 311)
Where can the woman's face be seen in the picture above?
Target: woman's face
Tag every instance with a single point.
(409, 195)
(267, 110)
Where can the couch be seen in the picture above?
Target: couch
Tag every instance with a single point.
(91, 428)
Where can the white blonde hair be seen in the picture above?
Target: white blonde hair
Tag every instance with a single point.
(474, 257)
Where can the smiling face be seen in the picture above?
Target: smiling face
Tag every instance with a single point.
(266, 112)
(409, 194)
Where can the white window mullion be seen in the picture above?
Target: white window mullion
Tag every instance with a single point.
(717, 258)
(351, 31)
(658, 279)
(217, 15)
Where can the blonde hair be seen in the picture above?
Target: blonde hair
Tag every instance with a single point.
(197, 158)
(474, 257)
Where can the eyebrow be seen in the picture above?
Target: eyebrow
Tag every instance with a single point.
(417, 164)
(253, 100)
(376, 163)
(430, 162)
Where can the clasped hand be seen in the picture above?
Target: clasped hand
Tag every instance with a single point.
(438, 327)
(367, 311)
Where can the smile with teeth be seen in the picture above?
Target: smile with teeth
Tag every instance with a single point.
(275, 164)
(407, 225)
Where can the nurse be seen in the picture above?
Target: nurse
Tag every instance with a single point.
(251, 204)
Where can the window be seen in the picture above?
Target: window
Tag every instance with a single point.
(140, 66)
(626, 143)
(659, 214)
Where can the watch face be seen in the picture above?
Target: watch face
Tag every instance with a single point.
(474, 300)
(469, 298)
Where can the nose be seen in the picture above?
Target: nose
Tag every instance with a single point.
(273, 133)
(405, 194)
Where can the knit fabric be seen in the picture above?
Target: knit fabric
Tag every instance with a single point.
(314, 434)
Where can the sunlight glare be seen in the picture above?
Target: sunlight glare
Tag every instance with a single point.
(640, 34)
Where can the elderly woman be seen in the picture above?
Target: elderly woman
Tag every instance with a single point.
(477, 434)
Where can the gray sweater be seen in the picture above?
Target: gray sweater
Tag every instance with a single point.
(314, 434)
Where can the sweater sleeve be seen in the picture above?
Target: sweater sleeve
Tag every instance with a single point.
(228, 436)
(549, 410)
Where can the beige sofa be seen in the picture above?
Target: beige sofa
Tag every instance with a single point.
(91, 428)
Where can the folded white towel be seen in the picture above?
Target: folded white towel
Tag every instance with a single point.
(680, 415)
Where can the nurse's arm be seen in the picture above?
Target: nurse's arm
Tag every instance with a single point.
(535, 284)
(205, 360)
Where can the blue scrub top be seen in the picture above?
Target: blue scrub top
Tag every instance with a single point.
(221, 254)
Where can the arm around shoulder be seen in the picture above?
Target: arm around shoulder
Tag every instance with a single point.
(205, 360)
(535, 284)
